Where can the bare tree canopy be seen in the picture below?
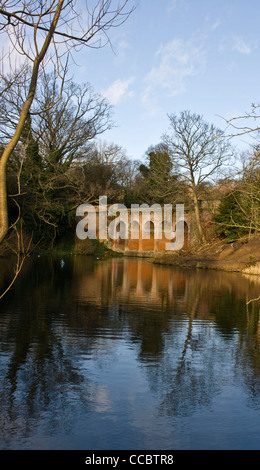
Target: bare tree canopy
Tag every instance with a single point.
(199, 151)
(198, 148)
(62, 122)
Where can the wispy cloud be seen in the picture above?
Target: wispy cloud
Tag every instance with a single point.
(241, 46)
(122, 49)
(176, 4)
(118, 90)
(216, 25)
(172, 5)
(176, 61)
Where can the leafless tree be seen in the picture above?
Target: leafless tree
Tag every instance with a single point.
(199, 151)
(46, 33)
(107, 170)
(248, 123)
(60, 121)
(21, 252)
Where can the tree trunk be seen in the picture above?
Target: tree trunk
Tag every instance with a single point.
(198, 218)
(5, 157)
(24, 113)
(3, 201)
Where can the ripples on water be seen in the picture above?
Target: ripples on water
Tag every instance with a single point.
(124, 354)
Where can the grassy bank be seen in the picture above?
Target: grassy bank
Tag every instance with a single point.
(67, 246)
(240, 256)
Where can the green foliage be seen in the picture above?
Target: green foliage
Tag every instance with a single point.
(131, 196)
(161, 183)
(230, 220)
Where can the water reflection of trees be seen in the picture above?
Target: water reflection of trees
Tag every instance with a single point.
(178, 322)
(203, 313)
(35, 378)
(164, 294)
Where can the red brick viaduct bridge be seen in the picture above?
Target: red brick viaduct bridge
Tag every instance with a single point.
(145, 232)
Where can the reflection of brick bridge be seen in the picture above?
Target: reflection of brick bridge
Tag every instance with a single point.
(138, 232)
(133, 281)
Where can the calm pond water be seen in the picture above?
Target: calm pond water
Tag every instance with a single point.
(122, 354)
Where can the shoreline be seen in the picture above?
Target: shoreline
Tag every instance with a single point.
(240, 256)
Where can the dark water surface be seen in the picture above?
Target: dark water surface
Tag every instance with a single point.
(123, 354)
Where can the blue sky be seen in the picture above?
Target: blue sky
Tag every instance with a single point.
(173, 55)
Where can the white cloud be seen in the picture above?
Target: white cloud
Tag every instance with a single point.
(172, 5)
(176, 61)
(216, 25)
(118, 90)
(241, 46)
(122, 49)
(10, 57)
(123, 45)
